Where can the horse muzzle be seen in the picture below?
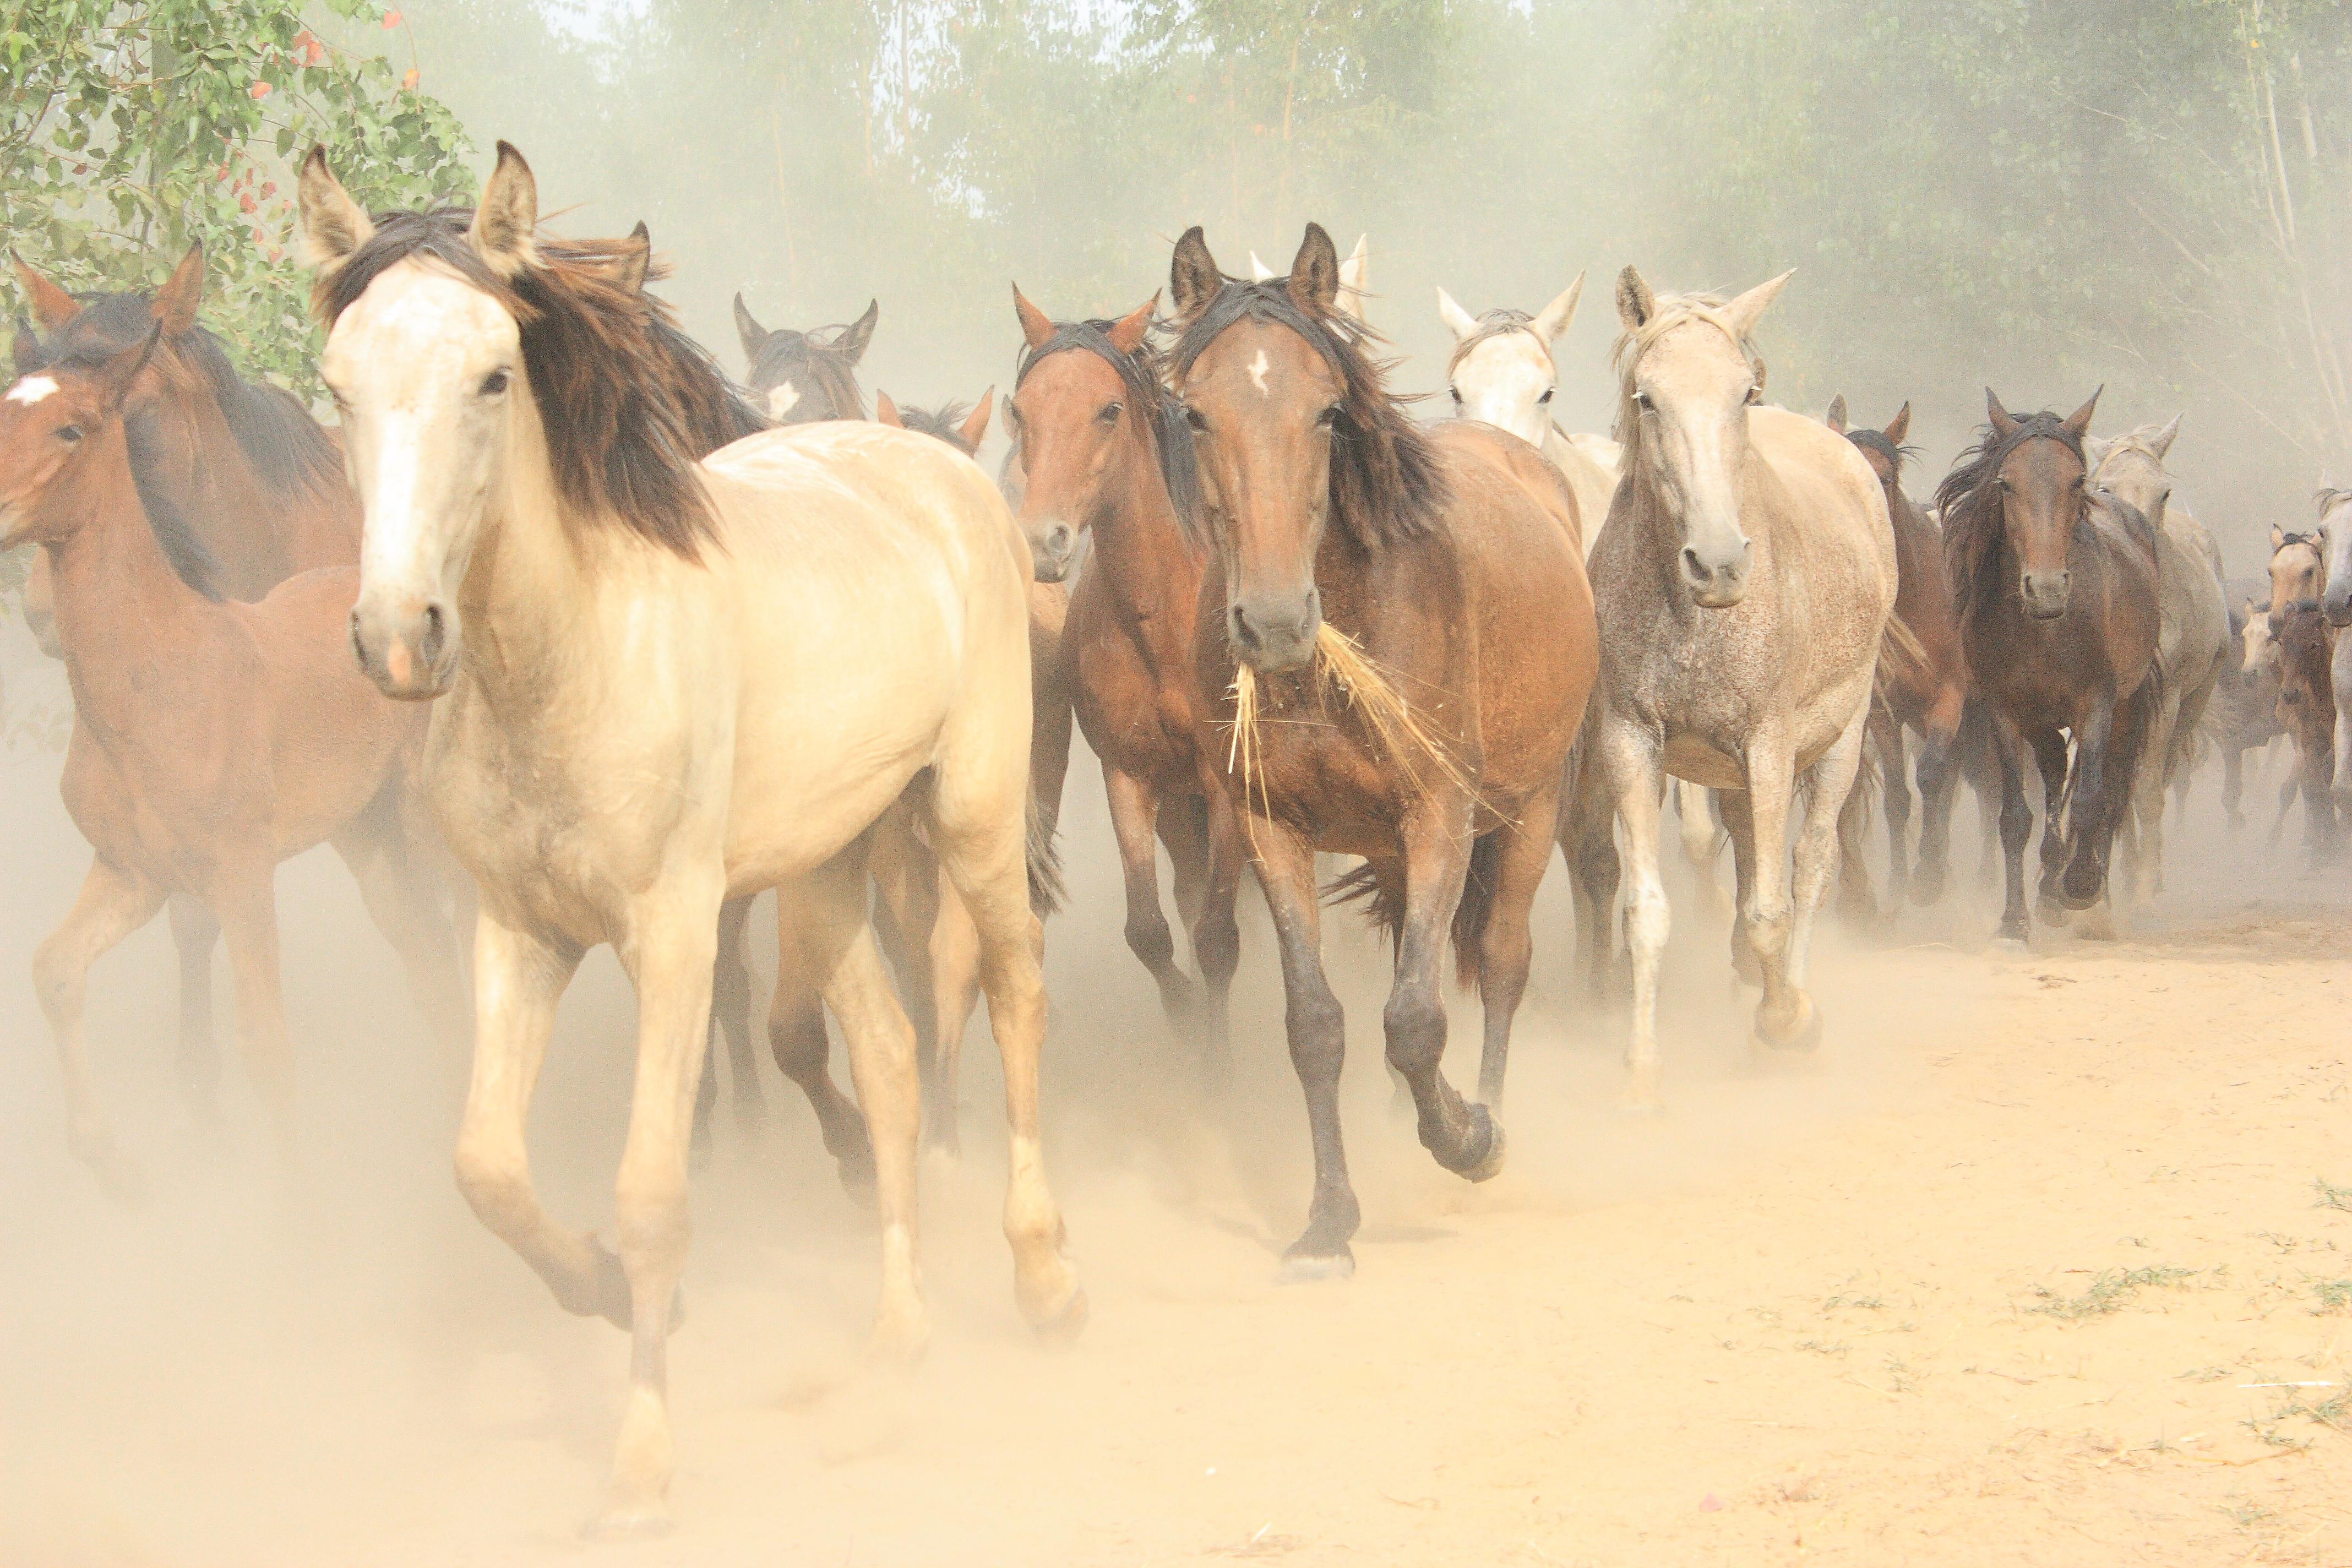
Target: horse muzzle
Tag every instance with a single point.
(409, 650)
(1052, 550)
(1276, 632)
(2337, 605)
(2045, 594)
(1717, 584)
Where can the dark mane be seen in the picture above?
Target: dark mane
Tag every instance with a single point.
(1974, 526)
(944, 423)
(289, 452)
(630, 404)
(816, 354)
(1386, 486)
(1140, 374)
(1876, 441)
(142, 444)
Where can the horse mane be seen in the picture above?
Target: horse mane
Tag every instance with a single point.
(2327, 498)
(944, 423)
(143, 442)
(289, 452)
(630, 403)
(1493, 324)
(1970, 502)
(1876, 441)
(1386, 484)
(818, 353)
(1148, 393)
(1671, 310)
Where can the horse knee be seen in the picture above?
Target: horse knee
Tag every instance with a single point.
(1149, 938)
(495, 1181)
(1414, 1023)
(796, 1038)
(1767, 926)
(1317, 1026)
(1217, 943)
(1647, 918)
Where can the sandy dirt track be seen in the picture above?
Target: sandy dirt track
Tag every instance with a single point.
(2020, 1269)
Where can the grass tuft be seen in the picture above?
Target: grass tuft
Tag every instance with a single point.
(2110, 1292)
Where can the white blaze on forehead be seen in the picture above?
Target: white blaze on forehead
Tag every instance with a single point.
(32, 389)
(1257, 374)
(781, 399)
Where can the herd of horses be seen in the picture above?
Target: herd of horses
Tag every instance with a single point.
(565, 633)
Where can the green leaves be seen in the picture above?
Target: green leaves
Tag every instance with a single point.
(127, 132)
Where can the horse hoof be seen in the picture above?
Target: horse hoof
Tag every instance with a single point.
(629, 1521)
(1485, 1167)
(2009, 944)
(899, 1338)
(1803, 1034)
(1646, 1107)
(2052, 913)
(1304, 1267)
(2097, 924)
(1063, 1327)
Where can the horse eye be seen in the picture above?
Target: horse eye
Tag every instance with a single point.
(495, 383)
(1641, 402)
(1457, 395)
(1329, 417)
(70, 434)
(1547, 396)
(1192, 417)
(1110, 412)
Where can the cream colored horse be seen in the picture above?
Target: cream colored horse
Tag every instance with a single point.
(1743, 584)
(661, 683)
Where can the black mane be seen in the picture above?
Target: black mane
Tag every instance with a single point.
(944, 423)
(1180, 463)
(1386, 485)
(1876, 441)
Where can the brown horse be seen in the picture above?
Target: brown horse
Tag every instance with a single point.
(212, 738)
(1398, 636)
(1922, 678)
(2054, 585)
(1107, 460)
(2306, 711)
(954, 956)
(800, 378)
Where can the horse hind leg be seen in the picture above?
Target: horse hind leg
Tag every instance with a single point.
(1216, 934)
(1701, 841)
(955, 992)
(731, 1021)
(1505, 952)
(195, 932)
(1587, 844)
(111, 905)
(1465, 1139)
(797, 1038)
(1134, 820)
(1631, 756)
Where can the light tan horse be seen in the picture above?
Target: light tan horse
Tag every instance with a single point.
(2192, 643)
(1502, 373)
(661, 683)
(1743, 584)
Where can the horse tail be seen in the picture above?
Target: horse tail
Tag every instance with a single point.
(1362, 886)
(1044, 859)
(1900, 644)
(1476, 908)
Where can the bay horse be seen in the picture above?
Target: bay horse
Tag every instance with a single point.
(800, 378)
(259, 485)
(2055, 582)
(1396, 638)
(212, 738)
(1107, 466)
(661, 683)
(953, 968)
(1744, 584)
(2192, 643)
(2306, 653)
(1922, 678)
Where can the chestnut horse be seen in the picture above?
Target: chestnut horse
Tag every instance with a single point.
(212, 738)
(1396, 635)
(1108, 461)
(1922, 678)
(2054, 584)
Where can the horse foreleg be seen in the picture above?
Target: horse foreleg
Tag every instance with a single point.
(1785, 1015)
(730, 1020)
(906, 877)
(1834, 772)
(804, 1054)
(1505, 950)
(1938, 780)
(194, 933)
(955, 991)
(1465, 1139)
(1588, 843)
(668, 949)
(1216, 934)
(2141, 800)
(1134, 821)
(2057, 814)
(403, 901)
(1738, 820)
(1630, 756)
(1700, 841)
(112, 904)
(2099, 802)
(2016, 823)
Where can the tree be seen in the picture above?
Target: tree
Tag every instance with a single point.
(130, 129)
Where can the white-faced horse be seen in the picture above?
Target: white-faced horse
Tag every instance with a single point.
(661, 683)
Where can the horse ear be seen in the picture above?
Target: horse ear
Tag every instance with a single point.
(2078, 424)
(1126, 333)
(748, 331)
(1554, 317)
(1835, 417)
(29, 353)
(332, 226)
(1355, 275)
(974, 428)
(52, 306)
(2162, 442)
(853, 342)
(1313, 285)
(1745, 311)
(122, 367)
(1192, 275)
(506, 222)
(1635, 303)
(1037, 327)
(176, 303)
(1259, 272)
(1900, 425)
(885, 411)
(1457, 320)
(2004, 425)
(2278, 539)
(633, 263)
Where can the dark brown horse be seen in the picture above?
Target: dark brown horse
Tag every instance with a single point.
(2054, 585)
(1108, 462)
(1398, 642)
(212, 738)
(1922, 676)
(2306, 711)
(802, 377)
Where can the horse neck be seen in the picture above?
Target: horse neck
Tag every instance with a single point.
(236, 515)
(119, 602)
(532, 579)
(1147, 563)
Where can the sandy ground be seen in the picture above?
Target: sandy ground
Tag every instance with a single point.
(2028, 1265)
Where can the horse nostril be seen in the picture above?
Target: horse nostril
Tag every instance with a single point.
(1691, 568)
(431, 647)
(359, 643)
